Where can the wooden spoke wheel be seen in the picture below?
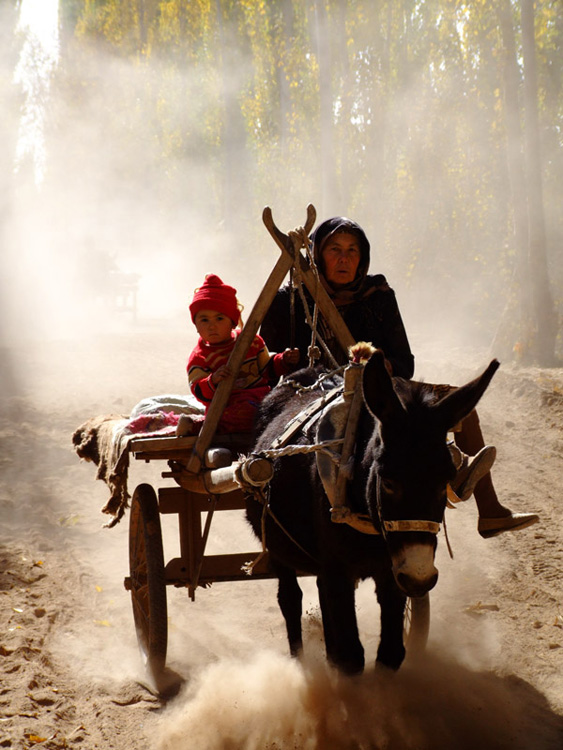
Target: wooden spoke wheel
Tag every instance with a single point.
(147, 581)
(416, 623)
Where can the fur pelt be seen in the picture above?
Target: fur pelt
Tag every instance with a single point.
(103, 441)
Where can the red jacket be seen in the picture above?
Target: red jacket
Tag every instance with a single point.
(251, 384)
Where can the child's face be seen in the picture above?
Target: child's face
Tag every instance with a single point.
(213, 327)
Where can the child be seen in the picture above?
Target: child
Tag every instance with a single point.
(215, 312)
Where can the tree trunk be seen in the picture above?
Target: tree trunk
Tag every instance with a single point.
(381, 94)
(329, 191)
(286, 43)
(544, 313)
(513, 334)
(234, 165)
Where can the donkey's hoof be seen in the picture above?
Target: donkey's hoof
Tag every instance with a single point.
(348, 665)
(390, 659)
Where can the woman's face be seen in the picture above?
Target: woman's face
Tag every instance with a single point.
(341, 256)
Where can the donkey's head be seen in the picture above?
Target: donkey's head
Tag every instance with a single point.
(411, 465)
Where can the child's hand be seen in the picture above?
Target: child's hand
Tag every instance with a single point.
(291, 356)
(221, 373)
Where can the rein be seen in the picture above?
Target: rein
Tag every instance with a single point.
(299, 420)
(264, 499)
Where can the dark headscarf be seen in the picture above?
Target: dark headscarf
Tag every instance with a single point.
(327, 229)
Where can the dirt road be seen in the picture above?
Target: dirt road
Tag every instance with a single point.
(493, 674)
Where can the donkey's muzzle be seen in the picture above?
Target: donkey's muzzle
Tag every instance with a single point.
(414, 569)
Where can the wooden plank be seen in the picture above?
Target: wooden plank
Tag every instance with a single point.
(180, 448)
(180, 455)
(346, 453)
(173, 499)
(218, 569)
(261, 307)
(221, 569)
(162, 443)
(229, 567)
(189, 523)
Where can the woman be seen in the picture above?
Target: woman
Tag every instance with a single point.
(369, 308)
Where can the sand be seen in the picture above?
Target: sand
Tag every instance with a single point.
(492, 676)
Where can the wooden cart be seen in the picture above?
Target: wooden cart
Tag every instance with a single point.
(149, 574)
(205, 469)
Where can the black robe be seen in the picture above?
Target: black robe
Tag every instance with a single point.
(373, 315)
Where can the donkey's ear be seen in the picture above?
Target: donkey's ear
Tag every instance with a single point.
(459, 403)
(379, 394)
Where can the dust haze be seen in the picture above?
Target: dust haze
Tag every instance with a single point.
(71, 349)
(105, 204)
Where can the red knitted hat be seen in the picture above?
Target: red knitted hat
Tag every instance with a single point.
(214, 295)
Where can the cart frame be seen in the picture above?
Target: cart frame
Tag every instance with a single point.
(205, 490)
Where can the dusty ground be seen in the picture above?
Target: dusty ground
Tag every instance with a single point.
(493, 674)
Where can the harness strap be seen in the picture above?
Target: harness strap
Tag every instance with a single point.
(362, 522)
(340, 512)
(295, 424)
(432, 526)
(353, 398)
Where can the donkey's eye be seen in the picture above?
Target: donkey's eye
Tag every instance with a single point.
(389, 486)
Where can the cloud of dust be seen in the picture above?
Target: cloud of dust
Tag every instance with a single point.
(271, 702)
(459, 694)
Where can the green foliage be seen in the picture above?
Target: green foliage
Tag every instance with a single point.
(415, 144)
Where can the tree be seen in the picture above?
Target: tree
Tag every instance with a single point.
(513, 330)
(544, 314)
(391, 111)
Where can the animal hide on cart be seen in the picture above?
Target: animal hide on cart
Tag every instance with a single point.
(105, 440)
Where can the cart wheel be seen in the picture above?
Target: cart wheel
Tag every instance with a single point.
(417, 623)
(147, 580)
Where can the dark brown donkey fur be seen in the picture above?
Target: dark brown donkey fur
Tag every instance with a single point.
(402, 469)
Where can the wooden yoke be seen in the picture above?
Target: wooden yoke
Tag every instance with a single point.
(249, 331)
(316, 289)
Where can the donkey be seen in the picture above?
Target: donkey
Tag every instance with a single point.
(402, 469)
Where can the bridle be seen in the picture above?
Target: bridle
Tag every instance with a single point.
(364, 523)
(432, 527)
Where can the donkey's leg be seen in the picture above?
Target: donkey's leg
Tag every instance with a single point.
(338, 607)
(391, 651)
(290, 599)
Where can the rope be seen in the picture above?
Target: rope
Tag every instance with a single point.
(292, 450)
(261, 497)
(291, 309)
(323, 376)
(298, 283)
(313, 326)
(449, 546)
(286, 532)
(313, 351)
